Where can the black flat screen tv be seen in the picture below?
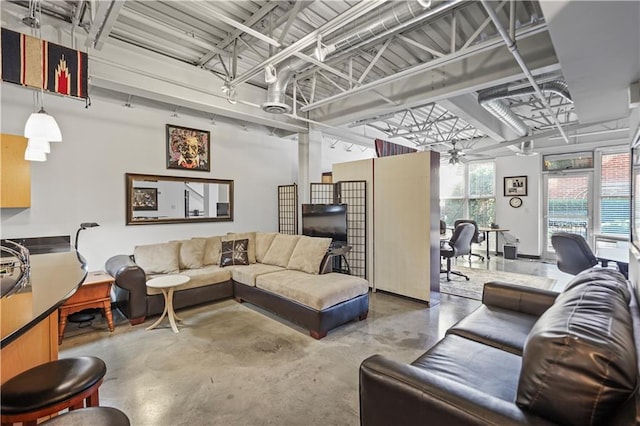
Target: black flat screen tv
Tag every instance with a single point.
(325, 220)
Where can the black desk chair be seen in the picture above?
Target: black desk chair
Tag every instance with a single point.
(478, 237)
(573, 254)
(458, 245)
(443, 227)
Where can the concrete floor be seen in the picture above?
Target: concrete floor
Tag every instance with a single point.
(234, 364)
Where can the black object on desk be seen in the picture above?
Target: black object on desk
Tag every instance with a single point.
(338, 250)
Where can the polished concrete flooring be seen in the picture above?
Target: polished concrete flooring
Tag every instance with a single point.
(234, 364)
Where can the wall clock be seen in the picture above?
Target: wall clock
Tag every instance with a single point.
(515, 202)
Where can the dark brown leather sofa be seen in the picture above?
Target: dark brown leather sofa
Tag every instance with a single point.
(525, 356)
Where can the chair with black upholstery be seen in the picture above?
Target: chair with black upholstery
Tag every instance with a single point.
(443, 227)
(573, 254)
(458, 245)
(478, 237)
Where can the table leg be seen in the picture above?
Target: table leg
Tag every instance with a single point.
(486, 238)
(496, 243)
(108, 314)
(164, 312)
(62, 324)
(172, 314)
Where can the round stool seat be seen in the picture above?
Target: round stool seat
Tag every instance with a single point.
(94, 416)
(51, 383)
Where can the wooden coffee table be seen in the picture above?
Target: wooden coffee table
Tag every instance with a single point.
(95, 292)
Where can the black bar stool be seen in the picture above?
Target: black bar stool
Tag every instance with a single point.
(52, 387)
(94, 416)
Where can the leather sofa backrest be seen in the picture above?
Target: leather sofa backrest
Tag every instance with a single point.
(579, 363)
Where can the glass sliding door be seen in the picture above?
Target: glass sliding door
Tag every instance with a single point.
(567, 206)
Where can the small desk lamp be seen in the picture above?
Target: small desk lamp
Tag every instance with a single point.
(84, 225)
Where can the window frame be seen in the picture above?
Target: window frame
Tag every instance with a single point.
(597, 217)
(466, 197)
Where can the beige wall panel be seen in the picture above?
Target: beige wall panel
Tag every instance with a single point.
(361, 170)
(402, 222)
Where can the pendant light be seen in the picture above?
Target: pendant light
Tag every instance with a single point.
(40, 128)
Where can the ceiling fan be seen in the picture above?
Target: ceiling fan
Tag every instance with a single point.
(456, 154)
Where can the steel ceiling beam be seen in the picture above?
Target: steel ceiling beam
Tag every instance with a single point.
(455, 57)
(306, 41)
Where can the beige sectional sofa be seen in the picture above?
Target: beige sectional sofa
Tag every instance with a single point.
(289, 275)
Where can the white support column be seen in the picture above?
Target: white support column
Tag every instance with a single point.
(309, 162)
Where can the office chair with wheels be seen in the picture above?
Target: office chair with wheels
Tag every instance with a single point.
(478, 237)
(573, 254)
(458, 245)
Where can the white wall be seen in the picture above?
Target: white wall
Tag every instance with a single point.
(524, 222)
(83, 180)
(339, 153)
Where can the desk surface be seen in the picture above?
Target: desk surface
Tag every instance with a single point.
(488, 229)
(618, 255)
(53, 279)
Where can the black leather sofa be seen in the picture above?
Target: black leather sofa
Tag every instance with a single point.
(525, 356)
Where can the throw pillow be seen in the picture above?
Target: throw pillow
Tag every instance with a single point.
(234, 252)
(263, 242)
(280, 251)
(211, 250)
(251, 236)
(308, 254)
(161, 258)
(192, 253)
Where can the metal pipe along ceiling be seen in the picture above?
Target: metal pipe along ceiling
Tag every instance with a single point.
(493, 101)
(393, 17)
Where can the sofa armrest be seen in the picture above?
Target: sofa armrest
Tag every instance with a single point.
(528, 300)
(132, 278)
(393, 393)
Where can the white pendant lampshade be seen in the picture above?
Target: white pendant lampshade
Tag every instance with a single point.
(41, 125)
(31, 154)
(41, 145)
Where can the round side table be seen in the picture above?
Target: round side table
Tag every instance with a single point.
(167, 285)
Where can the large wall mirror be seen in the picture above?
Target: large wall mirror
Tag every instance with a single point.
(172, 199)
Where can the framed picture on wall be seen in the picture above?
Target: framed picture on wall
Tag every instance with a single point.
(515, 186)
(145, 199)
(188, 149)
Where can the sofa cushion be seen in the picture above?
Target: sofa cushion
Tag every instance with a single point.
(212, 248)
(474, 365)
(579, 362)
(234, 252)
(263, 242)
(251, 236)
(208, 275)
(280, 251)
(192, 253)
(501, 328)
(308, 254)
(163, 258)
(247, 274)
(315, 291)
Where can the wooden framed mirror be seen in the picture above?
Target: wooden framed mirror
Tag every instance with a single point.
(172, 199)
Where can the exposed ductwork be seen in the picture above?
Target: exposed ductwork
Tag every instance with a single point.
(396, 17)
(493, 101)
(276, 100)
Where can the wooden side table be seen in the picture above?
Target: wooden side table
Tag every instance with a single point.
(95, 292)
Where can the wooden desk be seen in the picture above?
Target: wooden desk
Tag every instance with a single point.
(95, 292)
(487, 232)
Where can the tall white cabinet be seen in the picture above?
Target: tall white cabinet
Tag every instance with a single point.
(403, 220)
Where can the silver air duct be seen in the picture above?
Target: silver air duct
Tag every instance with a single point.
(276, 93)
(394, 16)
(493, 101)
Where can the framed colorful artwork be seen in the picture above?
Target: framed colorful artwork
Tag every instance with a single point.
(188, 149)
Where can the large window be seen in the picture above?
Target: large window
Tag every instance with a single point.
(468, 192)
(614, 193)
